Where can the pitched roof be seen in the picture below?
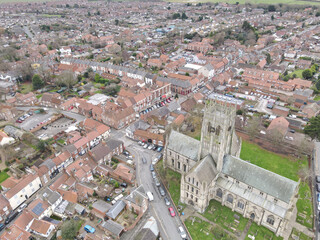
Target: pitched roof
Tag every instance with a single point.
(40, 226)
(23, 182)
(15, 233)
(116, 209)
(205, 170)
(271, 183)
(112, 227)
(184, 145)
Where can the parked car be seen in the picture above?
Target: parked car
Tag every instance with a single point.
(182, 232)
(151, 168)
(44, 127)
(150, 146)
(23, 206)
(145, 145)
(155, 147)
(153, 174)
(89, 229)
(318, 179)
(11, 217)
(171, 211)
(140, 142)
(159, 149)
(156, 180)
(166, 200)
(2, 226)
(162, 192)
(318, 187)
(19, 121)
(292, 130)
(318, 197)
(123, 185)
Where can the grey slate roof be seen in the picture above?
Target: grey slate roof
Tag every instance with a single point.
(113, 227)
(150, 230)
(116, 209)
(101, 206)
(271, 183)
(137, 196)
(113, 144)
(184, 145)
(49, 163)
(206, 169)
(51, 196)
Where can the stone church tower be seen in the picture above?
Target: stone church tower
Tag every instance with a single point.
(218, 132)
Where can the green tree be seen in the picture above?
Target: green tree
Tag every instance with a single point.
(97, 77)
(271, 8)
(268, 58)
(246, 26)
(69, 229)
(184, 16)
(313, 128)
(272, 17)
(317, 14)
(140, 65)
(307, 74)
(176, 16)
(41, 146)
(37, 82)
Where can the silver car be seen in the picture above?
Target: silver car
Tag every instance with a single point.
(162, 192)
(156, 180)
(166, 200)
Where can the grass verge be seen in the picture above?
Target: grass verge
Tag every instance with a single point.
(304, 206)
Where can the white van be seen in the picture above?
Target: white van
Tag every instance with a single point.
(150, 196)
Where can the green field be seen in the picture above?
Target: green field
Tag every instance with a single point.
(304, 206)
(298, 73)
(3, 176)
(283, 166)
(292, 2)
(26, 87)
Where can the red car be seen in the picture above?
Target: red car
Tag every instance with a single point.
(19, 121)
(172, 213)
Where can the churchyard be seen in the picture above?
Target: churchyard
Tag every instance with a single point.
(231, 225)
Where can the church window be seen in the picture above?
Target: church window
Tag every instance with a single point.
(196, 191)
(275, 200)
(197, 184)
(172, 162)
(179, 165)
(178, 156)
(192, 180)
(191, 196)
(230, 198)
(240, 205)
(196, 199)
(170, 153)
(192, 189)
(261, 193)
(189, 180)
(187, 195)
(219, 193)
(270, 220)
(188, 187)
(184, 167)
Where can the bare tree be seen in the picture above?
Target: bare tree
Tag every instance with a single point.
(67, 79)
(276, 138)
(45, 74)
(26, 71)
(304, 173)
(253, 126)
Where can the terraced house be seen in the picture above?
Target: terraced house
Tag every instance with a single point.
(211, 169)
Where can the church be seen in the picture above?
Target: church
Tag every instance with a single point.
(212, 169)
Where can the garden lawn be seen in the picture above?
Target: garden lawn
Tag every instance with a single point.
(316, 98)
(298, 73)
(171, 179)
(261, 233)
(304, 206)
(201, 230)
(224, 216)
(3, 176)
(273, 162)
(26, 88)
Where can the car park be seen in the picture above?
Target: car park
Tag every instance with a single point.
(166, 200)
(89, 229)
(171, 211)
(162, 192)
(182, 232)
(155, 147)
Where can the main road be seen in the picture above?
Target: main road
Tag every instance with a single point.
(168, 225)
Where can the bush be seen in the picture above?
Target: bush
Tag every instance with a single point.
(6, 170)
